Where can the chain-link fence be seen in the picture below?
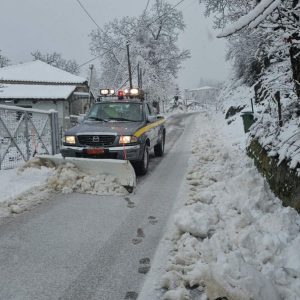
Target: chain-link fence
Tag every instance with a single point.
(26, 132)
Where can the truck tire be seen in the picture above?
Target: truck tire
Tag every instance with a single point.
(159, 148)
(142, 165)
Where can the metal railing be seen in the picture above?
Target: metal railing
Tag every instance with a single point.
(25, 132)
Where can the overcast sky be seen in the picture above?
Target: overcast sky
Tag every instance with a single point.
(62, 26)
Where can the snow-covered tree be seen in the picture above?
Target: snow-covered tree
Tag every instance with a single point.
(225, 11)
(55, 59)
(259, 32)
(153, 40)
(94, 81)
(3, 61)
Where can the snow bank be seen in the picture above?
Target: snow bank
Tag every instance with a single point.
(234, 237)
(235, 93)
(21, 188)
(35, 181)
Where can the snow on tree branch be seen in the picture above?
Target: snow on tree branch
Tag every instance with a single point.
(253, 18)
(3, 61)
(153, 45)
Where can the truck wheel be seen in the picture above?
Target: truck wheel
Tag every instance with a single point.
(142, 166)
(159, 149)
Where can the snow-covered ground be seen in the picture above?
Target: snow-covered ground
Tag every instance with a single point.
(281, 143)
(17, 185)
(232, 237)
(229, 235)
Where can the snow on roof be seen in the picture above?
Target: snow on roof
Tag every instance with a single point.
(203, 88)
(38, 71)
(14, 107)
(30, 91)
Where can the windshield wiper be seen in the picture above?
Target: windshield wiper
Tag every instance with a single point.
(97, 119)
(121, 119)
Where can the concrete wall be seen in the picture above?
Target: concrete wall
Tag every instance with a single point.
(284, 182)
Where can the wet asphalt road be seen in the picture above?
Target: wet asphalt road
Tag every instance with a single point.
(93, 247)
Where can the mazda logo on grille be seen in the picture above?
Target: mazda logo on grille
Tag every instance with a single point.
(95, 139)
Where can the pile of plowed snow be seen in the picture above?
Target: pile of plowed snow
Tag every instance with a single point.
(36, 180)
(68, 179)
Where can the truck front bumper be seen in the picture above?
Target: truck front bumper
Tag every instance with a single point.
(130, 152)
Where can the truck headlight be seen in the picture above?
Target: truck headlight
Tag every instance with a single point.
(70, 139)
(126, 139)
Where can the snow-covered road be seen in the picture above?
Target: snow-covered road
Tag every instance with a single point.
(78, 246)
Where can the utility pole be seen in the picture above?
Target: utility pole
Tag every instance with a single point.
(129, 65)
(90, 82)
(140, 78)
(138, 75)
(277, 98)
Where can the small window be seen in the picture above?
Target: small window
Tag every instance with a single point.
(147, 111)
(150, 109)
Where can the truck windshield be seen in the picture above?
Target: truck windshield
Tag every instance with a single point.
(116, 111)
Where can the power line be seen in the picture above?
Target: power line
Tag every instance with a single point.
(81, 5)
(93, 20)
(92, 59)
(146, 7)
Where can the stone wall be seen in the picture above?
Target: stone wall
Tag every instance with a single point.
(283, 181)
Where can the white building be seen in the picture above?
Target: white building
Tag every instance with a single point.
(41, 86)
(204, 96)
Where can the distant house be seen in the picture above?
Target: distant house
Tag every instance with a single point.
(202, 95)
(41, 86)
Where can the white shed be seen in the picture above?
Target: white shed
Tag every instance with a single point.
(41, 86)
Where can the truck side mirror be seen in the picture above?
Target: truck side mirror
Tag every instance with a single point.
(80, 118)
(151, 119)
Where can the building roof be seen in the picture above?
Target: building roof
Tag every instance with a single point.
(203, 88)
(30, 91)
(39, 72)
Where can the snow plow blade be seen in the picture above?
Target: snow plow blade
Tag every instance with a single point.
(120, 169)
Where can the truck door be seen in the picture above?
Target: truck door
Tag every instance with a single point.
(155, 130)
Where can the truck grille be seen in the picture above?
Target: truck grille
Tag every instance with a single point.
(96, 140)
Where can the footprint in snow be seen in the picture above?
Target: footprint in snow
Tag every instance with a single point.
(130, 204)
(131, 295)
(152, 220)
(144, 269)
(145, 261)
(140, 233)
(139, 236)
(144, 265)
(136, 241)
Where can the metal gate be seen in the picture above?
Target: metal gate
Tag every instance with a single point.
(25, 132)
